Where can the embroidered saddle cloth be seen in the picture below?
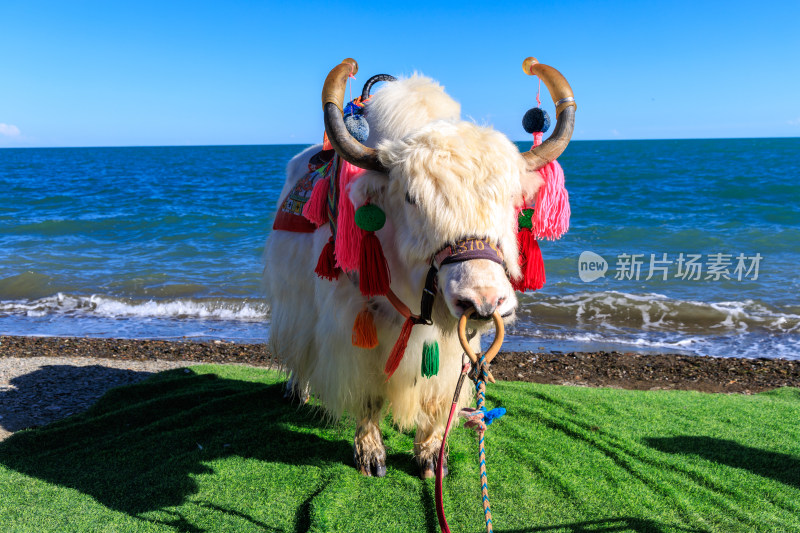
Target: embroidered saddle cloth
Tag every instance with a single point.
(290, 214)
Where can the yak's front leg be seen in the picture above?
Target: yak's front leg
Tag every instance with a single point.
(428, 440)
(369, 454)
(295, 391)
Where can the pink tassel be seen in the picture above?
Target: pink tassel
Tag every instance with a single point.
(348, 235)
(399, 349)
(551, 218)
(316, 209)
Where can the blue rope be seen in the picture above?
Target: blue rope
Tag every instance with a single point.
(480, 384)
(478, 419)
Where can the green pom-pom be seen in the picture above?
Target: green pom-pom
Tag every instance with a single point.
(370, 217)
(524, 220)
(430, 359)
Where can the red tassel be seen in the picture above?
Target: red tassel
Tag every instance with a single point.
(316, 209)
(373, 271)
(399, 349)
(326, 143)
(326, 266)
(531, 263)
(364, 333)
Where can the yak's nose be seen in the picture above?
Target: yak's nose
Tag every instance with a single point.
(485, 301)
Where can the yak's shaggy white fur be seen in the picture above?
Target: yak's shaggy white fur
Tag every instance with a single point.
(462, 180)
(398, 109)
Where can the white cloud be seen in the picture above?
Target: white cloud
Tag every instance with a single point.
(9, 130)
(795, 122)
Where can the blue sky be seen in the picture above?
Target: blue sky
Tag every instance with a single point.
(103, 73)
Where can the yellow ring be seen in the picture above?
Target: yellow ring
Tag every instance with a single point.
(494, 349)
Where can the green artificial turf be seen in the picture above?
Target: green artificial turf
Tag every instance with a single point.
(215, 448)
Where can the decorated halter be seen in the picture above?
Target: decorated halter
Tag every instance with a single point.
(354, 248)
(466, 249)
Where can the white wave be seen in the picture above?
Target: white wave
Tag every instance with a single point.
(634, 341)
(653, 311)
(109, 307)
(746, 345)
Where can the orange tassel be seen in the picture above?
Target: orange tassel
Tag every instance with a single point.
(326, 144)
(316, 209)
(531, 262)
(364, 333)
(326, 265)
(399, 349)
(373, 271)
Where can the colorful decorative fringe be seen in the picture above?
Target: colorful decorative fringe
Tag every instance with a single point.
(430, 359)
(399, 348)
(316, 209)
(348, 235)
(373, 270)
(326, 265)
(364, 333)
(530, 256)
(551, 219)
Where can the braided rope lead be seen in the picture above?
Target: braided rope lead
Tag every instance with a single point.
(477, 419)
(481, 387)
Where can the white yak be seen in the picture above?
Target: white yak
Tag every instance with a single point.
(439, 180)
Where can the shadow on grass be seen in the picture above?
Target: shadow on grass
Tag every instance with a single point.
(608, 525)
(139, 448)
(39, 397)
(779, 466)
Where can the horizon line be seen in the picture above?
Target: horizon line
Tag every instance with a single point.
(314, 143)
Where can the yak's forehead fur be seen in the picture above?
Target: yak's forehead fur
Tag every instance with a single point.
(401, 107)
(463, 180)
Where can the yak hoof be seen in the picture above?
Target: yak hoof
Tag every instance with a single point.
(292, 397)
(375, 467)
(427, 469)
(369, 454)
(295, 393)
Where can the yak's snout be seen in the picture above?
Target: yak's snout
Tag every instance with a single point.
(484, 299)
(479, 283)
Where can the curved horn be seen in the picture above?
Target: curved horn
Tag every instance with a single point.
(345, 145)
(372, 81)
(564, 101)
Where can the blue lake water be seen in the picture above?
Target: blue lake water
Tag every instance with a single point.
(165, 242)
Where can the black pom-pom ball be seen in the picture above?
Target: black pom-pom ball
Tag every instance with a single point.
(536, 120)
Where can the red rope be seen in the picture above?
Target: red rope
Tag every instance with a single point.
(440, 466)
